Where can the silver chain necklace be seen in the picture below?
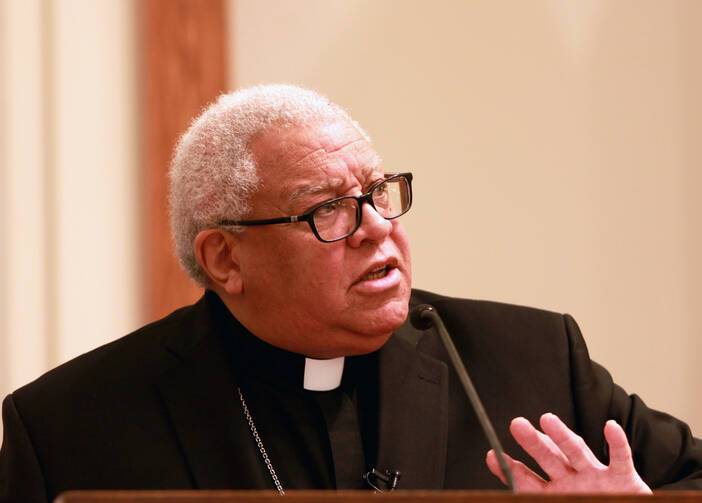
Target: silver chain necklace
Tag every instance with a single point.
(259, 443)
(389, 478)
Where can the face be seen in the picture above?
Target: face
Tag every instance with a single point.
(320, 299)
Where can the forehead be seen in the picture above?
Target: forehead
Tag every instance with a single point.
(296, 160)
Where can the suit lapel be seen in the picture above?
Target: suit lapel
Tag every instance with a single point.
(413, 413)
(200, 396)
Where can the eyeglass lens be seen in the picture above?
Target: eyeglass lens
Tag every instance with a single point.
(339, 218)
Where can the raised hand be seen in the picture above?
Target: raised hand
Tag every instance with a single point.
(568, 461)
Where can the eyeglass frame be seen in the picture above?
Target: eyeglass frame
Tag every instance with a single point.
(308, 215)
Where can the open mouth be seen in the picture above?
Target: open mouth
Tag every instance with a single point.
(378, 273)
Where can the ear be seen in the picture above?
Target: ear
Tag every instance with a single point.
(216, 252)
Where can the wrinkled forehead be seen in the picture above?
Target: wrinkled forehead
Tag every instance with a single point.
(294, 160)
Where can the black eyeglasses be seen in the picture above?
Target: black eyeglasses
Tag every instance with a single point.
(338, 218)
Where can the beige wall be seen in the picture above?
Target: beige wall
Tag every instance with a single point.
(556, 152)
(68, 205)
(555, 146)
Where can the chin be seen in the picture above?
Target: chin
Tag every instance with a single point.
(385, 320)
(367, 332)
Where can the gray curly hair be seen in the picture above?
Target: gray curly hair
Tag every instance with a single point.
(213, 171)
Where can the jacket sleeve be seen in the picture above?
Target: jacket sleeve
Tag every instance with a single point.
(21, 477)
(666, 455)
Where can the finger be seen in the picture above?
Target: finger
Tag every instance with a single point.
(525, 479)
(541, 448)
(573, 446)
(620, 460)
(494, 465)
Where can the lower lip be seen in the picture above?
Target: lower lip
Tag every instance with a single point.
(390, 280)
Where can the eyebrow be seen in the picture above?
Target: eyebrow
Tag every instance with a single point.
(315, 189)
(328, 186)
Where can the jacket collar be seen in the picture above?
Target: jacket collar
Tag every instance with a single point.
(200, 396)
(199, 393)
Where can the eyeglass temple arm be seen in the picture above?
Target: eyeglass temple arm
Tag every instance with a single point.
(281, 220)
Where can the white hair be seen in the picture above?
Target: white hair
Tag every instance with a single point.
(213, 171)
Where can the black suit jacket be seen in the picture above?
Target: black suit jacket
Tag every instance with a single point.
(157, 408)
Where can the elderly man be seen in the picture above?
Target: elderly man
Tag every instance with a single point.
(297, 369)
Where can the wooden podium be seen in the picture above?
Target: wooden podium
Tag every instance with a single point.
(362, 497)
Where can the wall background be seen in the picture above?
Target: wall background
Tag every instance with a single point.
(555, 147)
(69, 201)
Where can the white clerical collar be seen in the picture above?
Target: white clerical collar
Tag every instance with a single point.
(323, 375)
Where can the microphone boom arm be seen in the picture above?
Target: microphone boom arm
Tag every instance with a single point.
(425, 316)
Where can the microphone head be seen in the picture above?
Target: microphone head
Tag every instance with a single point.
(419, 319)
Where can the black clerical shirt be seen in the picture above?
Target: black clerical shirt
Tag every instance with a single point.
(314, 440)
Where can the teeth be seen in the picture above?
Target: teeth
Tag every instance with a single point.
(376, 274)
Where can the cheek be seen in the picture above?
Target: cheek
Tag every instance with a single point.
(399, 237)
(266, 263)
(300, 265)
(323, 272)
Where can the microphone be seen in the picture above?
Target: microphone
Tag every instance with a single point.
(425, 316)
(389, 478)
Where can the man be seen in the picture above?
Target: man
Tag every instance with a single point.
(297, 368)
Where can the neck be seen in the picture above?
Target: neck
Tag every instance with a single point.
(301, 335)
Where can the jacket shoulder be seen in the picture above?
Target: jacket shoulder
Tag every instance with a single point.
(490, 315)
(503, 340)
(135, 356)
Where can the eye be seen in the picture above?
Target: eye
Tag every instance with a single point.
(380, 192)
(377, 184)
(329, 208)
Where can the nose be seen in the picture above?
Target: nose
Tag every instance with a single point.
(374, 227)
